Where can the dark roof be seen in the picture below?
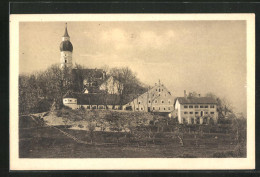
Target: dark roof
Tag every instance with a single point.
(197, 100)
(97, 99)
(70, 95)
(94, 73)
(66, 46)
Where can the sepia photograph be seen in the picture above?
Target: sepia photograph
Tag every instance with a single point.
(118, 91)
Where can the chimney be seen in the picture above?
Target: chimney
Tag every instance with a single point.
(185, 95)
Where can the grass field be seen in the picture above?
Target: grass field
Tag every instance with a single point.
(47, 142)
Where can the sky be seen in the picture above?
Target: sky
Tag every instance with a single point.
(200, 56)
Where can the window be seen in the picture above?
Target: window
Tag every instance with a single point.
(190, 106)
(153, 94)
(70, 100)
(159, 90)
(196, 106)
(141, 108)
(211, 112)
(162, 89)
(191, 112)
(201, 106)
(159, 94)
(162, 101)
(159, 108)
(185, 106)
(169, 108)
(212, 106)
(169, 101)
(65, 61)
(156, 89)
(139, 102)
(155, 101)
(153, 108)
(206, 106)
(206, 112)
(149, 101)
(196, 112)
(185, 112)
(163, 108)
(137, 109)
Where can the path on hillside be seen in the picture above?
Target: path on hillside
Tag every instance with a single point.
(34, 117)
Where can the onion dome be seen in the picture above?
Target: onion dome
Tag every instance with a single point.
(66, 46)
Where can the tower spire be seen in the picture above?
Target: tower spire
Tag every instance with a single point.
(66, 31)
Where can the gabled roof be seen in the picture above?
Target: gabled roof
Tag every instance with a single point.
(196, 100)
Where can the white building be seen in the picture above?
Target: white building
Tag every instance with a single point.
(157, 99)
(196, 110)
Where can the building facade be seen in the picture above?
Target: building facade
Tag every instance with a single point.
(157, 99)
(196, 110)
(93, 101)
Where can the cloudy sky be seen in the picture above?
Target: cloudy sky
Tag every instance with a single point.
(201, 56)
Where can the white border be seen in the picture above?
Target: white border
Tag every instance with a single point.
(17, 163)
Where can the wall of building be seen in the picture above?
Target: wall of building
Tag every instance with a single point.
(110, 85)
(187, 112)
(66, 59)
(157, 99)
(70, 102)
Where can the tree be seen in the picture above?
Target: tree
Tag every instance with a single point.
(127, 82)
(224, 107)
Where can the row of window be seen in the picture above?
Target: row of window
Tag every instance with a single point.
(197, 120)
(154, 108)
(201, 106)
(160, 94)
(159, 90)
(198, 112)
(155, 101)
(70, 101)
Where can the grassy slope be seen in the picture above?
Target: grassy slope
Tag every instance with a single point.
(47, 142)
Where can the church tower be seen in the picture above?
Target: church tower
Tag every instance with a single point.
(66, 49)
